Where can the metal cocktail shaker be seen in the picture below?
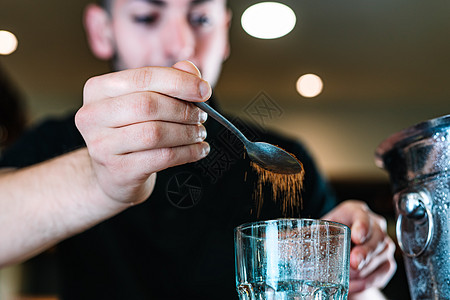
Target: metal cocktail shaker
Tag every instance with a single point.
(418, 162)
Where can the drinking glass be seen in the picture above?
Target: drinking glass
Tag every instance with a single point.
(289, 259)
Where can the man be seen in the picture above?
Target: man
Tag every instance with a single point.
(145, 140)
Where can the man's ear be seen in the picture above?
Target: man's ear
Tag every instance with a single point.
(99, 32)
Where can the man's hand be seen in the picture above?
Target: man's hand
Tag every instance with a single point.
(135, 124)
(372, 262)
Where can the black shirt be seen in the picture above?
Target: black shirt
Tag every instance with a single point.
(179, 243)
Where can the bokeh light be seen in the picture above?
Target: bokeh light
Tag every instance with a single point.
(268, 20)
(309, 85)
(8, 42)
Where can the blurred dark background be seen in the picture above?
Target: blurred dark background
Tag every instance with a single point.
(384, 64)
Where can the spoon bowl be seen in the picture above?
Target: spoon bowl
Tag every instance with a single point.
(267, 156)
(273, 158)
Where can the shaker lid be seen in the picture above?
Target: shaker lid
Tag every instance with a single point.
(409, 135)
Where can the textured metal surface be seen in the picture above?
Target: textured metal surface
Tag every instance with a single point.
(418, 162)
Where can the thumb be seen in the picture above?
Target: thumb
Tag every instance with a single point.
(187, 66)
(190, 68)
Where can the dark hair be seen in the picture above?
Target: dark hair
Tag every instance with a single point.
(106, 4)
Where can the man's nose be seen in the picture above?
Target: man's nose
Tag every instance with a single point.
(179, 40)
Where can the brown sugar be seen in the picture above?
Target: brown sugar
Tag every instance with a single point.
(285, 188)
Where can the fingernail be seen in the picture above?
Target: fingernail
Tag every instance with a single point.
(199, 74)
(361, 236)
(205, 150)
(201, 134)
(205, 89)
(359, 232)
(361, 261)
(203, 116)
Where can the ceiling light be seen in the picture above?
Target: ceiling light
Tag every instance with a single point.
(8, 42)
(309, 85)
(268, 20)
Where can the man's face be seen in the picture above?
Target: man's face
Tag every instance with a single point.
(162, 32)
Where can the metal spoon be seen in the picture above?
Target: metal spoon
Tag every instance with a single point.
(268, 156)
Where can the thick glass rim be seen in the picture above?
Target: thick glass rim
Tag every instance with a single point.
(247, 225)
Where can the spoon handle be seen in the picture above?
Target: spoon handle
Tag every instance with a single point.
(222, 120)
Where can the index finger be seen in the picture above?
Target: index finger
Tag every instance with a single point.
(169, 81)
